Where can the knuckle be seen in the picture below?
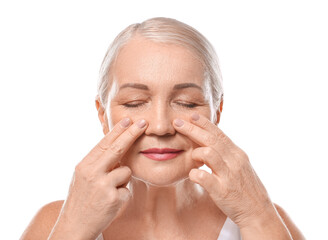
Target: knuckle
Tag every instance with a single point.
(128, 170)
(102, 146)
(196, 154)
(131, 133)
(211, 139)
(202, 175)
(102, 184)
(204, 124)
(117, 130)
(245, 156)
(190, 128)
(222, 137)
(113, 196)
(124, 171)
(207, 152)
(80, 170)
(116, 149)
(241, 156)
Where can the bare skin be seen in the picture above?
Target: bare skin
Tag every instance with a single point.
(160, 68)
(162, 212)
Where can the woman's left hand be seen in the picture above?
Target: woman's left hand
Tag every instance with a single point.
(233, 185)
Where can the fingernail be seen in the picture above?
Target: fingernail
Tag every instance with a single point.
(178, 122)
(195, 116)
(125, 122)
(141, 123)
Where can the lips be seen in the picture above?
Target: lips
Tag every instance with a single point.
(161, 154)
(161, 150)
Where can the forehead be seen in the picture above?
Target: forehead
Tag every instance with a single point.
(156, 64)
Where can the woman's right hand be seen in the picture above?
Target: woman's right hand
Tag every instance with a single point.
(98, 188)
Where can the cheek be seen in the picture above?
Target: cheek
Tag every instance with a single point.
(116, 115)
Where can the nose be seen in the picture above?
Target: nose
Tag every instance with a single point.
(160, 118)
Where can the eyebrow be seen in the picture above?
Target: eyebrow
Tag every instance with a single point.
(176, 87)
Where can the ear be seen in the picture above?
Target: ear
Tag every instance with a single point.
(219, 111)
(101, 115)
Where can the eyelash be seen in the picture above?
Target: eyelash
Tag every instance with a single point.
(191, 105)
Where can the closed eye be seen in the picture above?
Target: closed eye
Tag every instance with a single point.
(127, 105)
(189, 105)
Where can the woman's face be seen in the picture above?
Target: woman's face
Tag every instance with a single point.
(159, 83)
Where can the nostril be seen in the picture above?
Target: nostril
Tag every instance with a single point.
(160, 129)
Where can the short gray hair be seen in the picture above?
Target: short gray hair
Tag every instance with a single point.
(167, 30)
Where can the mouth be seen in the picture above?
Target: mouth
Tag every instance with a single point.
(161, 154)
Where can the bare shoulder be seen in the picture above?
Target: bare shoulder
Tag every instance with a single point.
(293, 229)
(43, 221)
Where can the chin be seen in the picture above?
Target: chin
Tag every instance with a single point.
(160, 175)
(160, 181)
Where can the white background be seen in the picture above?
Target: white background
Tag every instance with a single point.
(273, 56)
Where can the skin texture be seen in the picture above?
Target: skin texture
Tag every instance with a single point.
(160, 67)
(166, 210)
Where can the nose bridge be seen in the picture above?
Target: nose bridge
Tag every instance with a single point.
(160, 119)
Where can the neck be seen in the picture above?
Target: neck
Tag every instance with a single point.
(166, 204)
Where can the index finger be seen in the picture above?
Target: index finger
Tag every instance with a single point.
(204, 123)
(209, 135)
(110, 137)
(120, 146)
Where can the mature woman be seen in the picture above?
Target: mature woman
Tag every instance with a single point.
(159, 101)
